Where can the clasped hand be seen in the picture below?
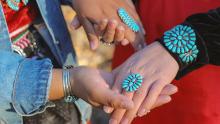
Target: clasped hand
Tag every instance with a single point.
(154, 63)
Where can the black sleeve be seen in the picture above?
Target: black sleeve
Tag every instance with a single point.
(206, 27)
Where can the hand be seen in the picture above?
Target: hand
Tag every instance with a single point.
(164, 97)
(157, 67)
(91, 13)
(92, 85)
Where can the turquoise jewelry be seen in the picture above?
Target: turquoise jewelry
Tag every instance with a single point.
(67, 85)
(14, 4)
(128, 20)
(132, 82)
(181, 40)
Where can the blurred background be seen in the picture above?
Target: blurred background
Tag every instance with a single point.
(101, 58)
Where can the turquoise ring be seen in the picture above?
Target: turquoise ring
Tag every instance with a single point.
(128, 20)
(132, 82)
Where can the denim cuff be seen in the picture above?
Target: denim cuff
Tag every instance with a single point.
(31, 87)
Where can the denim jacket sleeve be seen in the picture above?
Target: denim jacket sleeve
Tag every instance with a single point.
(24, 83)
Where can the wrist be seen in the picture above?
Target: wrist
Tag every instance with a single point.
(73, 80)
(67, 84)
(56, 88)
(166, 53)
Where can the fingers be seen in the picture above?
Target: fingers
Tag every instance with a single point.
(119, 34)
(151, 98)
(169, 89)
(91, 34)
(164, 97)
(161, 100)
(117, 86)
(110, 31)
(116, 116)
(116, 100)
(138, 97)
(102, 26)
(139, 41)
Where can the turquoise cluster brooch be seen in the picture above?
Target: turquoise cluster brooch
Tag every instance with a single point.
(182, 40)
(132, 82)
(128, 20)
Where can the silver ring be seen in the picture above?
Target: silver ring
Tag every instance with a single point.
(107, 43)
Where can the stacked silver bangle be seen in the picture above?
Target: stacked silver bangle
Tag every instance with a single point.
(68, 97)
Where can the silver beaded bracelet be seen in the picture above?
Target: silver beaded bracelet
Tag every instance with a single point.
(68, 97)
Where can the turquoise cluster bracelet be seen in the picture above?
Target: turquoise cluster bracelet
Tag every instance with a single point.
(181, 40)
(128, 20)
(14, 4)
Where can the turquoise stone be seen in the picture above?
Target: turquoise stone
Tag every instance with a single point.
(174, 49)
(175, 41)
(189, 46)
(179, 44)
(167, 44)
(191, 58)
(184, 42)
(182, 50)
(170, 47)
(186, 49)
(178, 50)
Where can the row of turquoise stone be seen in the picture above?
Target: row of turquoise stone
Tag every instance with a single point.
(128, 20)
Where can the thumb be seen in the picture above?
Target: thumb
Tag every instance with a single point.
(117, 101)
(139, 42)
(75, 24)
(91, 34)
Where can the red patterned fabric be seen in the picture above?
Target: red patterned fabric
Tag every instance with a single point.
(198, 99)
(17, 19)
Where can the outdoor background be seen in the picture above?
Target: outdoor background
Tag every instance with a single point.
(101, 58)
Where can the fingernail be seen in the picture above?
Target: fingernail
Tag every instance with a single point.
(92, 45)
(113, 23)
(105, 20)
(124, 42)
(127, 104)
(112, 121)
(75, 23)
(143, 112)
(107, 109)
(121, 28)
(124, 121)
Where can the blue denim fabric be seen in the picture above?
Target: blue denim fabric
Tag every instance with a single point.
(25, 83)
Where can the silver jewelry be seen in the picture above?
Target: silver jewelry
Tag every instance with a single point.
(68, 97)
(106, 43)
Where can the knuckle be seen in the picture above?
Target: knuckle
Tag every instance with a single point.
(110, 32)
